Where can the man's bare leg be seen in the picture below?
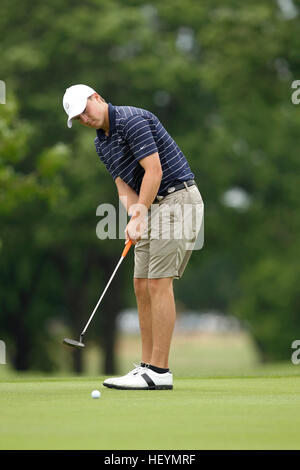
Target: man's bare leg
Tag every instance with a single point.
(145, 317)
(163, 313)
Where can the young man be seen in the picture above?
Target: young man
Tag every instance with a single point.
(152, 175)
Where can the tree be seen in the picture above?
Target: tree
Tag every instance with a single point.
(219, 78)
(25, 197)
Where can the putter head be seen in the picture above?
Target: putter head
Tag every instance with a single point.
(73, 343)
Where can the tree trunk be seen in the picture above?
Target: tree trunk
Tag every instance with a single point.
(21, 359)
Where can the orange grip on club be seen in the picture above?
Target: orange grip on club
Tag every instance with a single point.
(127, 248)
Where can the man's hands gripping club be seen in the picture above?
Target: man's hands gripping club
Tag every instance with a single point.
(138, 205)
(138, 223)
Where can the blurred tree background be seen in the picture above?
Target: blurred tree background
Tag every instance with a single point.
(218, 76)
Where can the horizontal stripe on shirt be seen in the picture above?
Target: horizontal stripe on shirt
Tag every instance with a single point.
(134, 134)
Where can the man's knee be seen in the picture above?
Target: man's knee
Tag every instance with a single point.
(159, 285)
(140, 286)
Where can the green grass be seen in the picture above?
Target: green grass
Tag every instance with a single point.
(222, 399)
(249, 412)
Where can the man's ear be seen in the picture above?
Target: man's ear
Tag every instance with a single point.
(94, 96)
(99, 98)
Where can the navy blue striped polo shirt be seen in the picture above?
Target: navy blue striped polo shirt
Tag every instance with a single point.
(135, 133)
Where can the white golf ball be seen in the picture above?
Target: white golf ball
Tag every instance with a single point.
(96, 394)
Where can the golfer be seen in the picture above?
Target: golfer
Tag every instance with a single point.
(154, 183)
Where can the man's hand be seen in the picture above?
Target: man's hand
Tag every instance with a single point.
(137, 224)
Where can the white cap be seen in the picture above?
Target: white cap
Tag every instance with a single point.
(74, 100)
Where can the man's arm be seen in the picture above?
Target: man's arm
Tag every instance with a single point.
(151, 179)
(148, 191)
(149, 187)
(126, 194)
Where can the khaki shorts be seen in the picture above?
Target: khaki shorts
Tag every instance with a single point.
(167, 244)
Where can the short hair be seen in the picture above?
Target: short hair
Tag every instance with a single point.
(102, 99)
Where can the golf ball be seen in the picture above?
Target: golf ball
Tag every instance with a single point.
(96, 394)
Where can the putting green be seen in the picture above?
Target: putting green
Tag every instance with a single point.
(258, 412)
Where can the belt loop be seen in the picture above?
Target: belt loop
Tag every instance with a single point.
(187, 188)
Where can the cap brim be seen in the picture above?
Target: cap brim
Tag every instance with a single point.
(76, 112)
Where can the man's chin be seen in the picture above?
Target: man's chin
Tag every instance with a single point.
(94, 125)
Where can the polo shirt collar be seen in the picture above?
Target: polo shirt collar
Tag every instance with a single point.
(112, 123)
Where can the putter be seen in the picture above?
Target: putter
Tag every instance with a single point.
(79, 344)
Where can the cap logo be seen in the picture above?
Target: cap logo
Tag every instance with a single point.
(67, 105)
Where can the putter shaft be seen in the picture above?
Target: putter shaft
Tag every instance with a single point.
(125, 251)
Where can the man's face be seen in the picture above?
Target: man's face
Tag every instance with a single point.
(94, 114)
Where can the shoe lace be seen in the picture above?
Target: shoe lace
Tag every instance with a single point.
(138, 368)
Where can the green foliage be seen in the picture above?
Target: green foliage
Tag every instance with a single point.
(28, 194)
(219, 78)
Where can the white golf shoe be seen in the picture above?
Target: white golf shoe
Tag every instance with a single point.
(142, 378)
(111, 381)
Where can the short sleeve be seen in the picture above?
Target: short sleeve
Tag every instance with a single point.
(139, 136)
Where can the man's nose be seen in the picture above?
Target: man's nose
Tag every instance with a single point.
(83, 117)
